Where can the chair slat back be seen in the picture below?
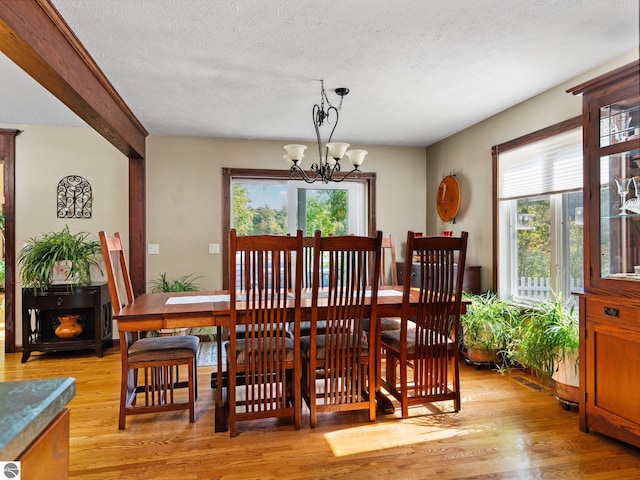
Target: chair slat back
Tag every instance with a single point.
(120, 287)
(308, 244)
(435, 326)
(270, 279)
(347, 299)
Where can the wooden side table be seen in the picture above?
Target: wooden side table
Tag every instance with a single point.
(41, 312)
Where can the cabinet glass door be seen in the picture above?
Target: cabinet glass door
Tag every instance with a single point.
(620, 190)
(619, 122)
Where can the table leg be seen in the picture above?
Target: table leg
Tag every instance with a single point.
(383, 404)
(222, 417)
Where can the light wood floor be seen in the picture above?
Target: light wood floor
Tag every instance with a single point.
(506, 430)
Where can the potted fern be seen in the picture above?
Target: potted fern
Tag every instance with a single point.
(550, 345)
(487, 326)
(186, 283)
(70, 254)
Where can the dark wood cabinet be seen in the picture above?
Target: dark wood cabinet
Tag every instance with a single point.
(470, 282)
(609, 367)
(610, 306)
(41, 314)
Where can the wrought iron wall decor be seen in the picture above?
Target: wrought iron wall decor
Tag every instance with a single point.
(74, 197)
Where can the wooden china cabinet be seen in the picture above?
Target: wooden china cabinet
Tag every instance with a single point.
(610, 306)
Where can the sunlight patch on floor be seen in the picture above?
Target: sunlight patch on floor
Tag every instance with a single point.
(394, 433)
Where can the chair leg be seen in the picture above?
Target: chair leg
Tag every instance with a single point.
(192, 390)
(373, 369)
(124, 394)
(456, 383)
(195, 378)
(378, 376)
(404, 394)
(293, 391)
(311, 387)
(231, 402)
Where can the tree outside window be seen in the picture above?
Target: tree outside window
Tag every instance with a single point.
(324, 210)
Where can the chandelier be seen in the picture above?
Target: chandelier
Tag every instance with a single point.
(329, 163)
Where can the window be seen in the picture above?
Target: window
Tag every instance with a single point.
(260, 206)
(539, 214)
(258, 202)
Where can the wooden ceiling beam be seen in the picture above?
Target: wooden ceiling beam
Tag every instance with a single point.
(34, 35)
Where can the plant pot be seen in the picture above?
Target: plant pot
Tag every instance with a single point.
(60, 273)
(477, 355)
(69, 327)
(568, 393)
(567, 379)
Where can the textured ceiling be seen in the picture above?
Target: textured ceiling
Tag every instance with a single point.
(418, 70)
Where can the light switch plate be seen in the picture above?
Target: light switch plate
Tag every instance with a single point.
(214, 248)
(153, 249)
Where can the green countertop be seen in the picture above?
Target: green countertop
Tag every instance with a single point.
(27, 408)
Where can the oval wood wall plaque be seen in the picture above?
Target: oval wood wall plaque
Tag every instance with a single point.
(448, 201)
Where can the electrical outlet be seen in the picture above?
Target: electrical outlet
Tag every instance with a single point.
(153, 249)
(214, 248)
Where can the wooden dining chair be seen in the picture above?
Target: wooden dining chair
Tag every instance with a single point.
(388, 277)
(148, 381)
(264, 366)
(308, 244)
(339, 363)
(422, 358)
(308, 248)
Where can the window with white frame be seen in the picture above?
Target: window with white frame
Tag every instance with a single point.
(271, 202)
(264, 206)
(540, 228)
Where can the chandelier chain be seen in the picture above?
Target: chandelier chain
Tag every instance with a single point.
(323, 97)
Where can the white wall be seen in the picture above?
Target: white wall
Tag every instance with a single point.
(468, 155)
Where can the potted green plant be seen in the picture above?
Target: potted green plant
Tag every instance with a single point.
(549, 346)
(487, 326)
(72, 253)
(186, 283)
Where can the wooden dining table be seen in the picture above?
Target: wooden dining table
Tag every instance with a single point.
(154, 311)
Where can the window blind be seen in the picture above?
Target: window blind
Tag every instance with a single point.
(551, 165)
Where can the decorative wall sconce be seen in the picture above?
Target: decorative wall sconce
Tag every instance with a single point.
(74, 197)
